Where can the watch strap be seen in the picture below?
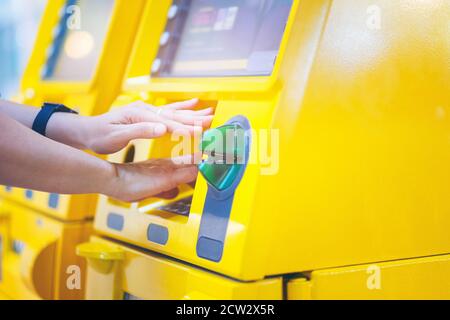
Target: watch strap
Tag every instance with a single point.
(44, 115)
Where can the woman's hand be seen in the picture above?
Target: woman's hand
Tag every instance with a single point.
(58, 168)
(161, 177)
(112, 131)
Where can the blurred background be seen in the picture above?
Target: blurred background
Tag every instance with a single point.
(19, 22)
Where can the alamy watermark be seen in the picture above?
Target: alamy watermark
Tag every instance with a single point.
(232, 146)
(374, 277)
(73, 281)
(74, 20)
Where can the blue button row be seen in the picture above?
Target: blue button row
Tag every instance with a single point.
(155, 233)
(53, 199)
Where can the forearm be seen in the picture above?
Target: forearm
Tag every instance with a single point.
(29, 160)
(66, 128)
(19, 112)
(70, 129)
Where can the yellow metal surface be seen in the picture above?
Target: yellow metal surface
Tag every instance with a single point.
(421, 278)
(362, 115)
(90, 97)
(38, 255)
(97, 93)
(364, 154)
(228, 95)
(69, 207)
(144, 275)
(100, 251)
(4, 297)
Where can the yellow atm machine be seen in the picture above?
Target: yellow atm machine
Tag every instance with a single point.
(38, 258)
(80, 57)
(326, 173)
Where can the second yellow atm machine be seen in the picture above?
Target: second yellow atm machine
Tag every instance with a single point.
(340, 178)
(80, 56)
(79, 59)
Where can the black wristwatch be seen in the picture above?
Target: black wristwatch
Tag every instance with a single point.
(47, 110)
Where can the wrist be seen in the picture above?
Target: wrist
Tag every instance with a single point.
(112, 183)
(70, 129)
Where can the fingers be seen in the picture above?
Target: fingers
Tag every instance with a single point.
(179, 127)
(201, 118)
(142, 130)
(168, 185)
(168, 194)
(176, 120)
(160, 178)
(184, 175)
(186, 160)
(164, 184)
(203, 112)
(192, 119)
(192, 184)
(173, 163)
(182, 105)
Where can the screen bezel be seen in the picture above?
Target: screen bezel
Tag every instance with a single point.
(73, 86)
(204, 85)
(179, 27)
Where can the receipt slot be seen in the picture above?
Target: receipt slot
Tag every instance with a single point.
(79, 59)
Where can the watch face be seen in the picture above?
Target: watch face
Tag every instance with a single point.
(59, 108)
(62, 108)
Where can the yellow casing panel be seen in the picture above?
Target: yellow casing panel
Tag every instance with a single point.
(44, 249)
(412, 279)
(95, 95)
(363, 122)
(364, 161)
(69, 207)
(4, 297)
(259, 97)
(152, 277)
(89, 98)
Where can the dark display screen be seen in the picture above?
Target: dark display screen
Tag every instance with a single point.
(222, 38)
(79, 41)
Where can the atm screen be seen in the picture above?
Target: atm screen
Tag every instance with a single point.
(79, 40)
(222, 38)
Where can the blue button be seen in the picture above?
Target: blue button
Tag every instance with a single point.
(157, 234)
(209, 249)
(29, 194)
(115, 221)
(18, 246)
(8, 189)
(53, 200)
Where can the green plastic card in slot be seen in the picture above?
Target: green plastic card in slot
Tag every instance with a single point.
(223, 151)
